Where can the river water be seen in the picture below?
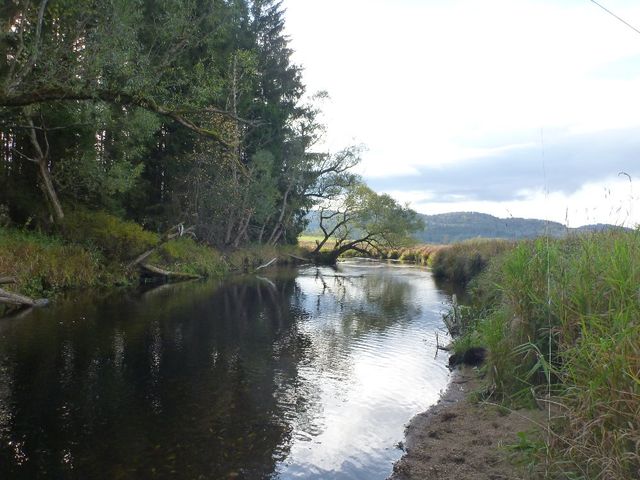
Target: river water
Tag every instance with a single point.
(309, 373)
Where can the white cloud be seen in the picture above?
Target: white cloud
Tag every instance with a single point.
(431, 83)
(613, 201)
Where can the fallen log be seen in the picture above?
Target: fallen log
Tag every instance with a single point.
(154, 271)
(180, 231)
(18, 300)
(5, 280)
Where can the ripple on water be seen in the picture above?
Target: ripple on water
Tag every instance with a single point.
(372, 369)
(312, 379)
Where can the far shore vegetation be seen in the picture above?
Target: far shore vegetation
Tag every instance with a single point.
(94, 249)
(167, 138)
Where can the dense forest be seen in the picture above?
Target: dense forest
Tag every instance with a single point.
(182, 112)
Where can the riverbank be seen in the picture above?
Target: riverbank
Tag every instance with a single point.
(460, 438)
(559, 321)
(99, 250)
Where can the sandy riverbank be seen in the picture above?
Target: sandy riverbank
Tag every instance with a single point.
(459, 439)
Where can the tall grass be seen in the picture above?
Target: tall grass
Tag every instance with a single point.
(460, 262)
(93, 249)
(44, 264)
(561, 321)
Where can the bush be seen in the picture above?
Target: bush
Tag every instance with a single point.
(118, 239)
(462, 261)
(187, 256)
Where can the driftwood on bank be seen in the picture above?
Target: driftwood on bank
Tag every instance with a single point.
(270, 262)
(179, 232)
(17, 300)
(5, 280)
(156, 272)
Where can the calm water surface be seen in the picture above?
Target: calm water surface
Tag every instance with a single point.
(307, 374)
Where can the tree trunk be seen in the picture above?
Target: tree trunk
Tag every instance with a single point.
(153, 271)
(264, 226)
(231, 222)
(20, 300)
(243, 229)
(165, 238)
(50, 190)
(43, 167)
(277, 228)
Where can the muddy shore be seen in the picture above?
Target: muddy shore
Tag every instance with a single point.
(461, 439)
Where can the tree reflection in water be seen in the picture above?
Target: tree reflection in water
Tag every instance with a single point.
(195, 380)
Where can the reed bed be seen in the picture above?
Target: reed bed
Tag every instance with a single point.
(561, 322)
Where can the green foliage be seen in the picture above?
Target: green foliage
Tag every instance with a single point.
(363, 220)
(117, 239)
(393, 254)
(184, 255)
(561, 317)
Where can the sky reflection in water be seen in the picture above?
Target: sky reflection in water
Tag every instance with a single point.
(311, 374)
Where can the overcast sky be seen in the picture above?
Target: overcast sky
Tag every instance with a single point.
(513, 108)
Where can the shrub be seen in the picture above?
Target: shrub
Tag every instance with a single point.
(461, 262)
(116, 238)
(187, 256)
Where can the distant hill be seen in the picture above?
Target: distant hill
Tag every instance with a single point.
(458, 226)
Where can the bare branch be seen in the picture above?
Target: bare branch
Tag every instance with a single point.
(46, 129)
(23, 155)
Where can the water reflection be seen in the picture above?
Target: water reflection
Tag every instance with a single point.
(301, 374)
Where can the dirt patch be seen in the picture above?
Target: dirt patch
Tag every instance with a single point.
(459, 439)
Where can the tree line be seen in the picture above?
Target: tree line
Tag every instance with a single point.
(165, 112)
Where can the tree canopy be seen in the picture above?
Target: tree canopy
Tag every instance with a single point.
(357, 218)
(165, 113)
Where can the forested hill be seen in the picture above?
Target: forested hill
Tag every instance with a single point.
(458, 226)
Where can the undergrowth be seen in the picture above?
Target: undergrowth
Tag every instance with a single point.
(94, 248)
(118, 239)
(44, 264)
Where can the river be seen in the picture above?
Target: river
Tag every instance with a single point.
(307, 373)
